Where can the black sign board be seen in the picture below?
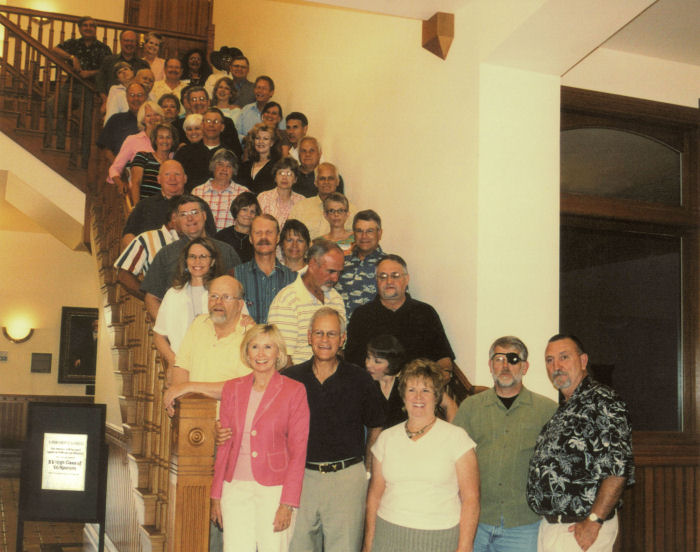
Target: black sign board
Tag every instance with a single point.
(64, 466)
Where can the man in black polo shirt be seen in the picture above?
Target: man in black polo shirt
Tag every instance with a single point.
(343, 401)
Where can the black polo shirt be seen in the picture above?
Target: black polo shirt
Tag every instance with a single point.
(415, 324)
(151, 213)
(341, 407)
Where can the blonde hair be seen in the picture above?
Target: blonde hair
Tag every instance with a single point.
(275, 336)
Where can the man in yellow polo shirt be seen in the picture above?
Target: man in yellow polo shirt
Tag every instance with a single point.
(210, 350)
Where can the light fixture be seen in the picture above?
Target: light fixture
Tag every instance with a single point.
(18, 331)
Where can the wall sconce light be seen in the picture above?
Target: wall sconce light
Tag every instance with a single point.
(18, 331)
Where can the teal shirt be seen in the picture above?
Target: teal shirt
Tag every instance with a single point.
(505, 440)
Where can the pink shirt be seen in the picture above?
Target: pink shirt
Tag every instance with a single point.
(271, 203)
(244, 467)
(220, 201)
(131, 146)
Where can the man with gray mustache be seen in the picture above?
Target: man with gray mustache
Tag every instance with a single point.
(505, 421)
(583, 457)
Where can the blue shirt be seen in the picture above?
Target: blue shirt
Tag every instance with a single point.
(260, 289)
(357, 284)
(249, 117)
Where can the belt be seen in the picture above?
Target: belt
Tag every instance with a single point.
(561, 518)
(330, 467)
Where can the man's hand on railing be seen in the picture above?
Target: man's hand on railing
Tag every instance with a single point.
(173, 392)
(223, 434)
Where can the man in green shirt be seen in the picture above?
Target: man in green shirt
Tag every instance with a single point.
(505, 422)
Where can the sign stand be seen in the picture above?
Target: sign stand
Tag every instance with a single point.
(64, 466)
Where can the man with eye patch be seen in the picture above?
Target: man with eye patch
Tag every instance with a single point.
(505, 421)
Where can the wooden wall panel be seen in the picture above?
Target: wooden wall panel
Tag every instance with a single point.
(121, 524)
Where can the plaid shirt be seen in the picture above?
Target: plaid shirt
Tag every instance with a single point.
(220, 202)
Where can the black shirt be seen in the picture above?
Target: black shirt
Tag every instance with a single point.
(264, 179)
(115, 131)
(305, 184)
(239, 241)
(195, 158)
(229, 136)
(151, 213)
(415, 324)
(341, 407)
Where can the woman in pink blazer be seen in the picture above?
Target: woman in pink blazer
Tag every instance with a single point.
(259, 470)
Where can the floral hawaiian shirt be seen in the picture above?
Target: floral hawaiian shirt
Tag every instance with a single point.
(587, 440)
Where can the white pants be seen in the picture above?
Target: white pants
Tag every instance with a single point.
(248, 510)
(556, 537)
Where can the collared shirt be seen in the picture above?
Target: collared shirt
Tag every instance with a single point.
(139, 254)
(310, 212)
(270, 203)
(260, 289)
(415, 324)
(249, 117)
(587, 440)
(160, 276)
(208, 358)
(160, 88)
(90, 56)
(341, 407)
(291, 311)
(357, 284)
(306, 182)
(505, 439)
(220, 201)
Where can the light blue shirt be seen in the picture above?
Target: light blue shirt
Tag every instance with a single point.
(250, 116)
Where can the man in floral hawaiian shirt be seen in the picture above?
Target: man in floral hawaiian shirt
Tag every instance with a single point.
(583, 457)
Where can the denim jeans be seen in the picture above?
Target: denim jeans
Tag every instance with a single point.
(496, 538)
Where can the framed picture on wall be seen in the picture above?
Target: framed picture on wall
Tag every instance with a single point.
(78, 353)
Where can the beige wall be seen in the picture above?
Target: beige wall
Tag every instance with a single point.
(39, 276)
(427, 143)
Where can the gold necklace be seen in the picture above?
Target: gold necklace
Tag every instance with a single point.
(412, 434)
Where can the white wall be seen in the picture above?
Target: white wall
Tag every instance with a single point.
(637, 76)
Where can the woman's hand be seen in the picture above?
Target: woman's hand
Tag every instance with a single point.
(283, 518)
(215, 512)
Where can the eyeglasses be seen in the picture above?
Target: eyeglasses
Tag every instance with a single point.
(136, 94)
(190, 213)
(239, 66)
(393, 275)
(320, 334)
(225, 298)
(336, 211)
(368, 231)
(198, 100)
(285, 173)
(213, 121)
(192, 257)
(510, 358)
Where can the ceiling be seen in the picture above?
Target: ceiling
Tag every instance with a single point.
(666, 30)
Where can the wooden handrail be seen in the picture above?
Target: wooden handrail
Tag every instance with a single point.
(46, 52)
(108, 31)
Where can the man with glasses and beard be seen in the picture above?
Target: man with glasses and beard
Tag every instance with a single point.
(505, 422)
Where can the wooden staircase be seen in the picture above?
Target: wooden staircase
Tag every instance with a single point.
(153, 473)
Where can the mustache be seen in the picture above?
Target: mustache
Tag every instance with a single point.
(263, 242)
(558, 373)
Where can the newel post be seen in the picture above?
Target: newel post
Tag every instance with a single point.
(191, 470)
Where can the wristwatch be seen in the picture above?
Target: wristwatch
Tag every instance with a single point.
(593, 517)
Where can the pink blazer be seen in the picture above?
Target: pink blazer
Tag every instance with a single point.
(279, 435)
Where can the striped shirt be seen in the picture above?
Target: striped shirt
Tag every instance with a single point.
(260, 289)
(291, 311)
(139, 254)
(151, 167)
(220, 201)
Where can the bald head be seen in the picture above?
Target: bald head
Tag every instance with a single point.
(171, 178)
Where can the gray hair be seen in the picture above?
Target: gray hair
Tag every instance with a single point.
(510, 341)
(328, 311)
(224, 156)
(319, 247)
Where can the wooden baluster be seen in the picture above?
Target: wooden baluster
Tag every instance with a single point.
(191, 469)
